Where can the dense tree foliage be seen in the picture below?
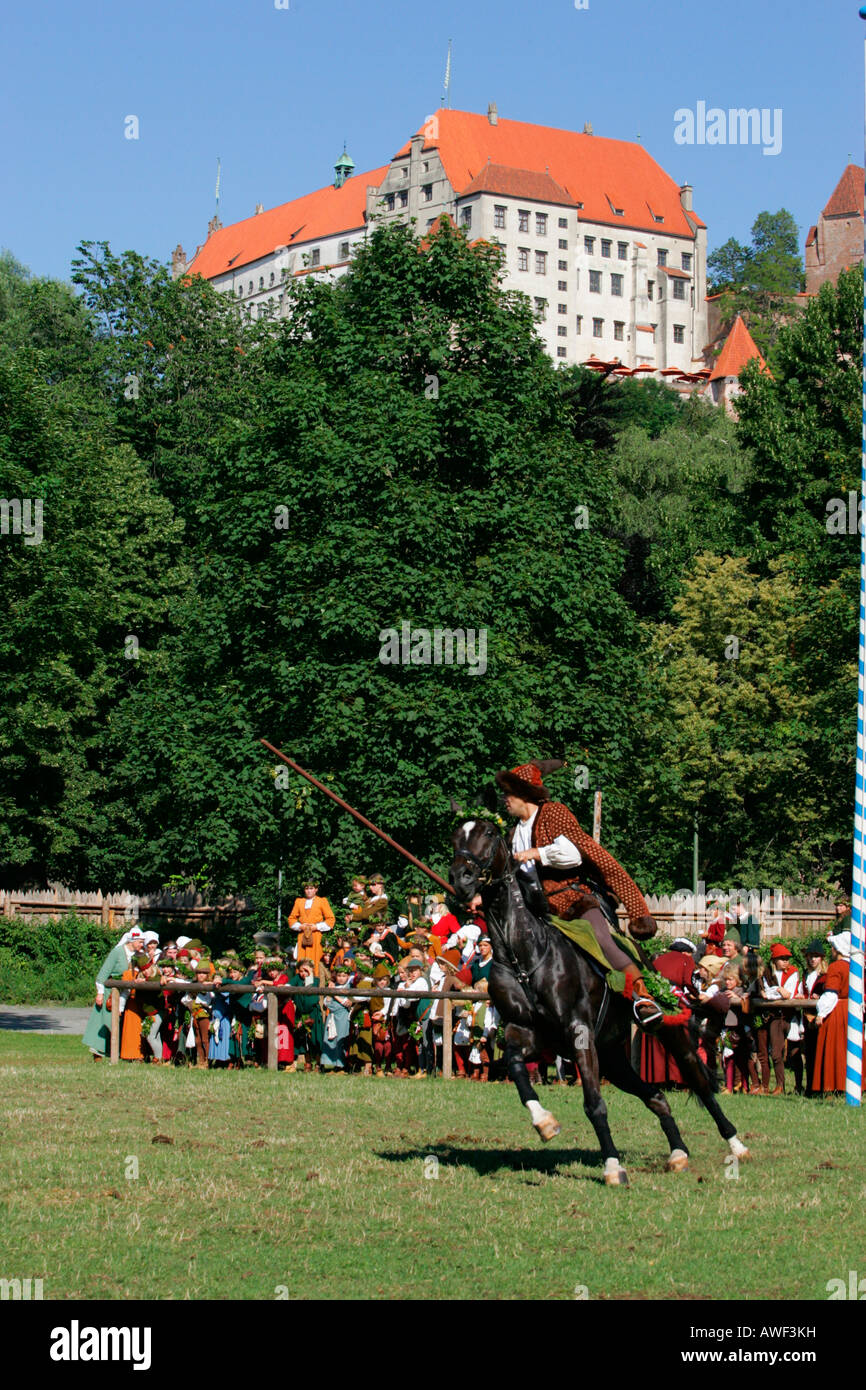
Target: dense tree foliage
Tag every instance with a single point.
(249, 528)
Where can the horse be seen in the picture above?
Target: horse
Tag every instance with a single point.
(551, 998)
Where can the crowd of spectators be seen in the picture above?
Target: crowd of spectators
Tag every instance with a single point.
(723, 984)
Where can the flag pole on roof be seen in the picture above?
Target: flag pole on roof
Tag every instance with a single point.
(217, 189)
(446, 92)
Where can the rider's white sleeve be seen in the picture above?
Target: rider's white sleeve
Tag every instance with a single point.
(562, 854)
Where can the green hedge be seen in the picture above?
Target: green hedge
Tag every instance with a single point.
(56, 961)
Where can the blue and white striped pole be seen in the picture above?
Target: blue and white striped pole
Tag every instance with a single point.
(854, 1054)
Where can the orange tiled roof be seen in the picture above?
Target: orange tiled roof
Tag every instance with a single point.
(672, 270)
(739, 349)
(595, 171)
(811, 235)
(519, 183)
(326, 212)
(846, 199)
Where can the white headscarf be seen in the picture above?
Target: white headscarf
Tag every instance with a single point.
(842, 943)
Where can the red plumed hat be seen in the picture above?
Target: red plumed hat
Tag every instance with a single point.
(526, 781)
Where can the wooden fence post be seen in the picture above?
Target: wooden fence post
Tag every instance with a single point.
(115, 1026)
(447, 1048)
(272, 1032)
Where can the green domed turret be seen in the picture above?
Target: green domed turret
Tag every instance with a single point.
(344, 169)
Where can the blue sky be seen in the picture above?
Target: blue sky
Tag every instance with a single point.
(274, 93)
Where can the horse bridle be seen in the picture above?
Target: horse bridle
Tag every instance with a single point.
(485, 878)
(485, 867)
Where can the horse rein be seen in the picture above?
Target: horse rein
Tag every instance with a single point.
(485, 879)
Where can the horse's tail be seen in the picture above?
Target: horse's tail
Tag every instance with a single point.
(683, 1045)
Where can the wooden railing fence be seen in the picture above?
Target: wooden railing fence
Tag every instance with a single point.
(274, 992)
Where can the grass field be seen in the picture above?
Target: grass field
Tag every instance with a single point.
(352, 1187)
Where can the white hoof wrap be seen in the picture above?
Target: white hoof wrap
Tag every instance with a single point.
(614, 1173)
(547, 1126)
(737, 1149)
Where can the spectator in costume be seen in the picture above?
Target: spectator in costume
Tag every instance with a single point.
(778, 980)
(285, 1015)
(336, 1012)
(200, 1005)
(308, 1015)
(831, 1048)
(415, 982)
(443, 923)
(356, 897)
(130, 1036)
(97, 1034)
(219, 1043)
(813, 988)
(309, 917)
(381, 1032)
(677, 966)
(375, 908)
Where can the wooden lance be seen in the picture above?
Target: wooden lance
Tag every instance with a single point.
(357, 814)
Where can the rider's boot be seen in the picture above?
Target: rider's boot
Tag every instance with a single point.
(646, 1011)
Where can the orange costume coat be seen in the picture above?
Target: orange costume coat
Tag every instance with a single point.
(318, 914)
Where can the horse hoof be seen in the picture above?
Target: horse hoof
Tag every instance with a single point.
(737, 1148)
(614, 1174)
(547, 1127)
(678, 1162)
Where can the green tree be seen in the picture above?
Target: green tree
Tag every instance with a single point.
(93, 562)
(676, 495)
(410, 460)
(758, 281)
(733, 739)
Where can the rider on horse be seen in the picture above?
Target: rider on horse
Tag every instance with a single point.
(547, 832)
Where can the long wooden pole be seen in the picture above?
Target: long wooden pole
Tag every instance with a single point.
(115, 1026)
(359, 817)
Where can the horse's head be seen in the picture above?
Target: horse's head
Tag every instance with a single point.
(480, 858)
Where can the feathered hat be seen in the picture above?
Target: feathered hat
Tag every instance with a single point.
(526, 781)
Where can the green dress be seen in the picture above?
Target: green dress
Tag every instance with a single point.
(308, 1006)
(97, 1034)
(239, 1046)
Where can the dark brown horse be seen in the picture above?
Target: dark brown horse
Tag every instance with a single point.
(551, 999)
